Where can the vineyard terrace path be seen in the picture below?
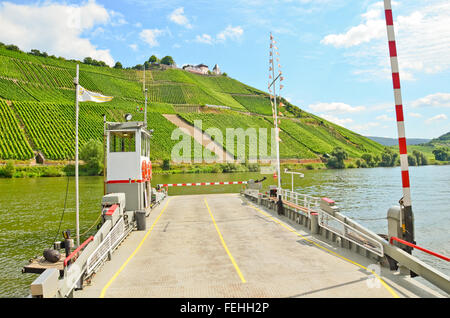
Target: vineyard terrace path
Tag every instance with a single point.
(203, 139)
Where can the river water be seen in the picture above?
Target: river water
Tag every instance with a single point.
(31, 209)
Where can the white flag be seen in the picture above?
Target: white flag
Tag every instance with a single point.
(87, 96)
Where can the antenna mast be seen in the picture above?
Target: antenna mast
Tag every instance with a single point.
(272, 53)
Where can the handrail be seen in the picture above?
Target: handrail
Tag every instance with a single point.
(72, 255)
(393, 238)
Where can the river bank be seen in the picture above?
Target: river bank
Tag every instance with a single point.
(19, 169)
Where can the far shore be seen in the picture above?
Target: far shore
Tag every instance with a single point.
(27, 169)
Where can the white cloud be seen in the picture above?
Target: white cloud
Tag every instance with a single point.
(436, 118)
(134, 47)
(335, 108)
(420, 35)
(416, 115)
(233, 33)
(385, 118)
(178, 17)
(373, 27)
(364, 127)
(336, 120)
(230, 32)
(55, 28)
(150, 36)
(204, 38)
(434, 100)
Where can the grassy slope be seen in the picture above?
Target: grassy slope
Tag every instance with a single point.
(42, 88)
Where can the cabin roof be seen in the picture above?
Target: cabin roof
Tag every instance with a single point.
(125, 125)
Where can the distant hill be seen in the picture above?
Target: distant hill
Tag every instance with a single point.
(394, 142)
(443, 140)
(37, 109)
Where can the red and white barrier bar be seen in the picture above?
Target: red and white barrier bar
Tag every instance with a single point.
(200, 184)
(398, 103)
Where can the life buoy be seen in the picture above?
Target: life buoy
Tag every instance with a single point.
(144, 170)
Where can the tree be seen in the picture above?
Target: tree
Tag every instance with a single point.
(147, 65)
(166, 164)
(412, 160)
(88, 60)
(12, 47)
(337, 158)
(92, 154)
(441, 154)
(138, 67)
(167, 60)
(118, 65)
(153, 59)
(368, 159)
(388, 158)
(421, 159)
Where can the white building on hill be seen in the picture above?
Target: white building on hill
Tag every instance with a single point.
(198, 69)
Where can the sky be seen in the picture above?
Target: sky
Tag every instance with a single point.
(333, 53)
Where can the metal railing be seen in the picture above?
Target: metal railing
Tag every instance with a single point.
(109, 243)
(307, 202)
(350, 233)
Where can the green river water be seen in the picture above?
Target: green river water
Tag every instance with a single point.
(31, 209)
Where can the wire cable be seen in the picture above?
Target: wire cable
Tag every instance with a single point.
(62, 216)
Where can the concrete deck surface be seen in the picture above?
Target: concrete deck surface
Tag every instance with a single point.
(220, 246)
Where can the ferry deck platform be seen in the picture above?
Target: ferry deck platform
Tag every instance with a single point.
(222, 246)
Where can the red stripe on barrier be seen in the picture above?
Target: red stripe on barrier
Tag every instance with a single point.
(419, 248)
(405, 179)
(112, 209)
(402, 146)
(389, 19)
(72, 255)
(399, 111)
(396, 80)
(392, 49)
(125, 181)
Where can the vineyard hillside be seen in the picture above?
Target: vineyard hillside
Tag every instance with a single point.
(37, 109)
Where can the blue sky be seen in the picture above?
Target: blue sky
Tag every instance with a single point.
(333, 53)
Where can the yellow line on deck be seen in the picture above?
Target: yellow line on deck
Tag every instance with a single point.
(326, 249)
(102, 295)
(225, 245)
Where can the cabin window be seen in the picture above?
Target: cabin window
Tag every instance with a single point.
(122, 141)
(145, 145)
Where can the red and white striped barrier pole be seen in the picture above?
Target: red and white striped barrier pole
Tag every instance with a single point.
(200, 184)
(408, 225)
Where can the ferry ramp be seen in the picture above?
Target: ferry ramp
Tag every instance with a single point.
(222, 246)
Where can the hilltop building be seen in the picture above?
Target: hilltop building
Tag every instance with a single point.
(198, 69)
(201, 69)
(216, 70)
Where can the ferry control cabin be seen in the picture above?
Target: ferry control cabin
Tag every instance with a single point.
(129, 169)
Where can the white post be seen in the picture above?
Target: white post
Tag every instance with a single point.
(76, 155)
(292, 181)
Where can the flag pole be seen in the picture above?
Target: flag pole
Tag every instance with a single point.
(76, 154)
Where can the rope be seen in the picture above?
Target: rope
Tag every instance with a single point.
(95, 222)
(363, 219)
(64, 210)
